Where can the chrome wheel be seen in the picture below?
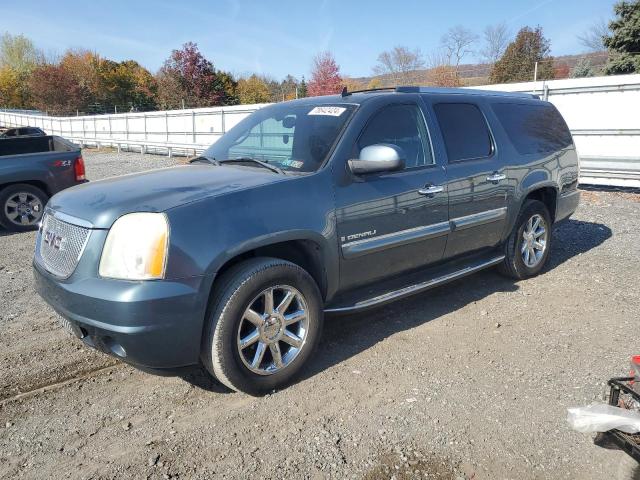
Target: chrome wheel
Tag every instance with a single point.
(23, 208)
(273, 330)
(534, 242)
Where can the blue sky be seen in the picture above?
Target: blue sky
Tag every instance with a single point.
(280, 37)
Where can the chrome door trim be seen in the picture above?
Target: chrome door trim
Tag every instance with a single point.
(417, 288)
(496, 177)
(403, 237)
(431, 190)
(476, 219)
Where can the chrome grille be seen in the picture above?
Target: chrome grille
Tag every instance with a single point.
(61, 245)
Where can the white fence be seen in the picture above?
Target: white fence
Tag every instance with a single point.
(173, 131)
(603, 114)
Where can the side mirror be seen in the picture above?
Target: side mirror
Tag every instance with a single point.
(381, 157)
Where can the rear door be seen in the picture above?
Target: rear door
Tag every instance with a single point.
(387, 223)
(476, 177)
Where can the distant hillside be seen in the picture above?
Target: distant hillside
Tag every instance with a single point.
(477, 74)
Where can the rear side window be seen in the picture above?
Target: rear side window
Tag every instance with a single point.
(533, 128)
(465, 131)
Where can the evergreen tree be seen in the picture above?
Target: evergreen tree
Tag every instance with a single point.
(302, 89)
(582, 69)
(624, 42)
(518, 61)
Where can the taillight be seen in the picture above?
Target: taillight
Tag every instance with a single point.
(79, 169)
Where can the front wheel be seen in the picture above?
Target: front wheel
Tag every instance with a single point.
(527, 248)
(264, 323)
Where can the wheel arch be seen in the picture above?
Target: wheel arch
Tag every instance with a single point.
(34, 183)
(547, 194)
(307, 250)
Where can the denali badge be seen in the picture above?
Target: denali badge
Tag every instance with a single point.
(357, 236)
(52, 239)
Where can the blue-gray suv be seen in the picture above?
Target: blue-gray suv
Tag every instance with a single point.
(320, 205)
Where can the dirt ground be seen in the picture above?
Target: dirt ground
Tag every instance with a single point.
(470, 380)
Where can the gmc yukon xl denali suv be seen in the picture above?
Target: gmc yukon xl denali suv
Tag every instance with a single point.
(320, 205)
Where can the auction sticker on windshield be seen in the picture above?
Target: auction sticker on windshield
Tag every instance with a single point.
(331, 111)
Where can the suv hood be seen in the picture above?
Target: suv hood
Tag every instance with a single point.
(103, 201)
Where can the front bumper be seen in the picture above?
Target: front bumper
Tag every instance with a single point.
(150, 324)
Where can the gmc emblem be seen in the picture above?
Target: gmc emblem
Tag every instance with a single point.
(53, 240)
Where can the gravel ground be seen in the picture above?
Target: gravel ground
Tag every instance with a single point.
(470, 380)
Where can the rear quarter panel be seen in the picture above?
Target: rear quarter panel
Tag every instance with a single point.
(529, 172)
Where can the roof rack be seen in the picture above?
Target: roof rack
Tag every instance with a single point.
(415, 89)
(346, 93)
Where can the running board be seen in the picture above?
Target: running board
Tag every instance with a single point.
(439, 278)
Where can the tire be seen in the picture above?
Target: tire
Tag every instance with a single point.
(21, 207)
(521, 264)
(247, 286)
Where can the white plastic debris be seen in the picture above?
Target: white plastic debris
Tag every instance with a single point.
(601, 418)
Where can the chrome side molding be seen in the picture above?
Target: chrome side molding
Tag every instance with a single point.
(375, 244)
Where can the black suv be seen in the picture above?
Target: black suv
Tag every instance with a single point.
(320, 205)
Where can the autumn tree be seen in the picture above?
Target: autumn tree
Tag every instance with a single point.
(351, 84)
(441, 73)
(83, 66)
(325, 76)
(400, 63)
(443, 76)
(9, 88)
(623, 43)
(54, 90)
(374, 83)
(188, 76)
(253, 90)
(519, 59)
(18, 58)
(561, 70)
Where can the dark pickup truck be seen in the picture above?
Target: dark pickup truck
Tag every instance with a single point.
(320, 205)
(31, 170)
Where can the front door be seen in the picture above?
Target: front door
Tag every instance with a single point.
(392, 222)
(476, 177)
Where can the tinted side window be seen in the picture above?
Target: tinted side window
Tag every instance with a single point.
(465, 131)
(403, 126)
(533, 128)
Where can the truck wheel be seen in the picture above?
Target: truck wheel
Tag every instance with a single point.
(528, 246)
(264, 322)
(21, 207)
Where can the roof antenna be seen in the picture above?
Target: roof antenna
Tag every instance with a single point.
(345, 92)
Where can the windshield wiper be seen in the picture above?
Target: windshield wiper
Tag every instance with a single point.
(273, 168)
(199, 159)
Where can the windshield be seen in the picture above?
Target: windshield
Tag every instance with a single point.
(291, 136)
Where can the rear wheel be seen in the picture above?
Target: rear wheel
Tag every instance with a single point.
(264, 324)
(21, 207)
(527, 248)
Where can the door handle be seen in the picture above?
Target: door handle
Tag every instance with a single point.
(430, 190)
(495, 177)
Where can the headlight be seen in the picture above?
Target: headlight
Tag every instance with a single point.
(136, 247)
